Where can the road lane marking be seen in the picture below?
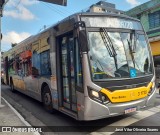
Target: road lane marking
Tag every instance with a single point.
(130, 120)
(19, 116)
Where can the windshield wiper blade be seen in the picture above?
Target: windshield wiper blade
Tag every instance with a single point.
(131, 52)
(109, 45)
(132, 44)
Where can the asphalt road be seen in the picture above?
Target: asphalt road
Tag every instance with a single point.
(35, 114)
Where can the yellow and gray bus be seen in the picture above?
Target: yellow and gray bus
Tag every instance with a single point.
(88, 66)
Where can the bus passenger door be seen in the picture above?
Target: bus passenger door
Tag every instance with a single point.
(68, 62)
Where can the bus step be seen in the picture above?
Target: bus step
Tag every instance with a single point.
(68, 112)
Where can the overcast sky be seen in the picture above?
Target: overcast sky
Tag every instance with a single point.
(22, 18)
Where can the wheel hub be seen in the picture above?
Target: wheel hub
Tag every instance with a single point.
(47, 99)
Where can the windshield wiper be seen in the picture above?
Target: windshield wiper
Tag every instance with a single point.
(109, 45)
(132, 47)
(131, 52)
(132, 44)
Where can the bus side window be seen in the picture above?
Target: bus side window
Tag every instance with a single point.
(35, 64)
(45, 63)
(29, 67)
(11, 67)
(26, 68)
(18, 67)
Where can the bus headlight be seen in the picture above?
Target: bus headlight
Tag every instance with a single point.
(153, 85)
(95, 93)
(98, 96)
(152, 88)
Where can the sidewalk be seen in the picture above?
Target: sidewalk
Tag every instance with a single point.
(10, 117)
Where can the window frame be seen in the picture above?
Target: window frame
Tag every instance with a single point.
(154, 19)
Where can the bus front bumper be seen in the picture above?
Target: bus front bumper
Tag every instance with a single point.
(95, 110)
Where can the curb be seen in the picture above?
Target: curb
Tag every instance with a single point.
(19, 115)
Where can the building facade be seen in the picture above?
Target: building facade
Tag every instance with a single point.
(149, 15)
(104, 7)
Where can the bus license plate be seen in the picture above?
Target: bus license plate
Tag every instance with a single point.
(129, 110)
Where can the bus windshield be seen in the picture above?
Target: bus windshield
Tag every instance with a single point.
(118, 55)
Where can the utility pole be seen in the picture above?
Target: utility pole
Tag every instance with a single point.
(2, 3)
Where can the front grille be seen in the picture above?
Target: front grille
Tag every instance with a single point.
(113, 85)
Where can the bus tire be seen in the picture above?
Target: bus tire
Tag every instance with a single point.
(12, 86)
(47, 99)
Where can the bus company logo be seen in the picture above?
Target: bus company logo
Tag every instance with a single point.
(118, 97)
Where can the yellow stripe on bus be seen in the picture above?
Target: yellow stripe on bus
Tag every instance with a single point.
(127, 95)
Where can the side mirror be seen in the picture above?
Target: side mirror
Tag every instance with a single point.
(83, 41)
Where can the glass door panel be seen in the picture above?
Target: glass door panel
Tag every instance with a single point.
(68, 72)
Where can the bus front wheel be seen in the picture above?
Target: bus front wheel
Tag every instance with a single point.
(47, 99)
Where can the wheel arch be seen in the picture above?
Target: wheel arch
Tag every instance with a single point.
(44, 84)
(48, 107)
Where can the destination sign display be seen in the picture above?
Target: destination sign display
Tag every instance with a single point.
(111, 22)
